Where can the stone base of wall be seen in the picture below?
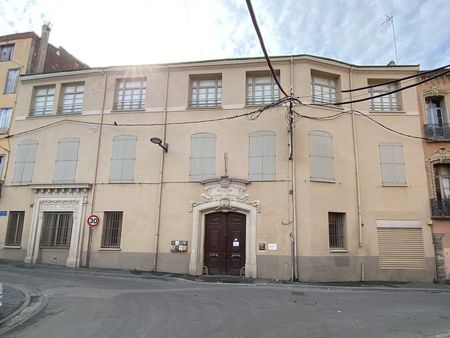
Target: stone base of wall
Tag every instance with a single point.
(13, 254)
(53, 256)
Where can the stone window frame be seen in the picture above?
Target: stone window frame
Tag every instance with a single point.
(433, 91)
(442, 156)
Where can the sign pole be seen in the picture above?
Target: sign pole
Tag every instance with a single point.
(88, 255)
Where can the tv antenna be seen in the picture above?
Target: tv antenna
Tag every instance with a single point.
(390, 22)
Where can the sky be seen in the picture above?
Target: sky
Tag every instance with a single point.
(109, 32)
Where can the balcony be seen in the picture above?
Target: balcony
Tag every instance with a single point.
(437, 132)
(440, 207)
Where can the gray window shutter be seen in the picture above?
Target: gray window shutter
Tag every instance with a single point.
(123, 158)
(203, 156)
(66, 161)
(23, 168)
(262, 155)
(392, 164)
(321, 160)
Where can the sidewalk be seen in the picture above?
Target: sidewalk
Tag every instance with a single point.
(13, 299)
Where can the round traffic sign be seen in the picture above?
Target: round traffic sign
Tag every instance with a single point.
(93, 220)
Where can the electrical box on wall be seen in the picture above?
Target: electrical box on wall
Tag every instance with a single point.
(178, 246)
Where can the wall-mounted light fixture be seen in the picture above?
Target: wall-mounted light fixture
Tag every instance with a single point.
(158, 141)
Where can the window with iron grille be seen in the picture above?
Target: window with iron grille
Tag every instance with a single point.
(387, 102)
(112, 229)
(5, 119)
(15, 227)
(130, 94)
(56, 229)
(11, 81)
(323, 89)
(72, 101)
(43, 100)
(6, 52)
(336, 230)
(262, 88)
(206, 92)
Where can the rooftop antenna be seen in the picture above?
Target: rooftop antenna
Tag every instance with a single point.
(390, 22)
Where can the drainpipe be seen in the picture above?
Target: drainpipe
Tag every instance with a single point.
(161, 175)
(94, 185)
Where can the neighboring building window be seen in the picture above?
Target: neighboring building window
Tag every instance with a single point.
(442, 180)
(5, 119)
(206, 92)
(123, 158)
(43, 100)
(66, 161)
(262, 155)
(112, 229)
(12, 79)
(72, 101)
(130, 94)
(2, 160)
(436, 126)
(203, 157)
(6, 52)
(14, 229)
(323, 89)
(261, 88)
(387, 102)
(336, 230)
(23, 168)
(392, 164)
(56, 229)
(321, 160)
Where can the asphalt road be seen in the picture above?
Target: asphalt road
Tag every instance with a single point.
(89, 305)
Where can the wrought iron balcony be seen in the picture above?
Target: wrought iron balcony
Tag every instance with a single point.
(440, 207)
(438, 132)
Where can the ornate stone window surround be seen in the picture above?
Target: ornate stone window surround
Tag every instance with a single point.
(433, 91)
(440, 156)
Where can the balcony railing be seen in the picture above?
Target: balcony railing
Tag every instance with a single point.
(440, 207)
(438, 132)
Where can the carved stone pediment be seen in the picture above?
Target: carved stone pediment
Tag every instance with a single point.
(434, 91)
(225, 190)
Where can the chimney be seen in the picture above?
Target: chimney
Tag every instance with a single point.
(42, 52)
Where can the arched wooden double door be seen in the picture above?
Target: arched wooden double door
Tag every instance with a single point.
(224, 243)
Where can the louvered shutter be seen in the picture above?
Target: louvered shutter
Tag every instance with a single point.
(66, 161)
(262, 155)
(392, 164)
(123, 158)
(26, 155)
(321, 158)
(203, 156)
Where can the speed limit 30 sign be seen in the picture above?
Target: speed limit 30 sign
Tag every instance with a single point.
(93, 220)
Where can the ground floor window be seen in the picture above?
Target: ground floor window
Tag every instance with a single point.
(56, 229)
(336, 234)
(14, 230)
(112, 229)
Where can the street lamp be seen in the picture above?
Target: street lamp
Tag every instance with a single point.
(158, 141)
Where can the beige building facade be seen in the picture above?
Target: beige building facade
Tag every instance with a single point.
(322, 194)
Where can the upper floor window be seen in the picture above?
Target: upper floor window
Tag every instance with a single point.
(72, 100)
(66, 160)
(23, 168)
(262, 88)
(442, 181)
(11, 81)
(123, 158)
(387, 102)
(203, 157)
(321, 160)
(262, 156)
(6, 52)
(392, 164)
(206, 92)
(130, 94)
(43, 100)
(5, 119)
(436, 125)
(324, 89)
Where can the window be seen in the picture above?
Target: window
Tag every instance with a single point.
(2, 160)
(11, 81)
(392, 164)
(123, 158)
(203, 157)
(323, 89)
(336, 230)
(130, 94)
(112, 229)
(206, 92)
(262, 88)
(436, 126)
(66, 161)
(43, 100)
(321, 160)
(6, 52)
(23, 168)
(72, 101)
(5, 119)
(14, 229)
(262, 155)
(56, 229)
(387, 102)
(442, 180)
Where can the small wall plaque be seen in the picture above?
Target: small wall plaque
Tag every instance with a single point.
(178, 246)
(3, 213)
(262, 246)
(272, 246)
